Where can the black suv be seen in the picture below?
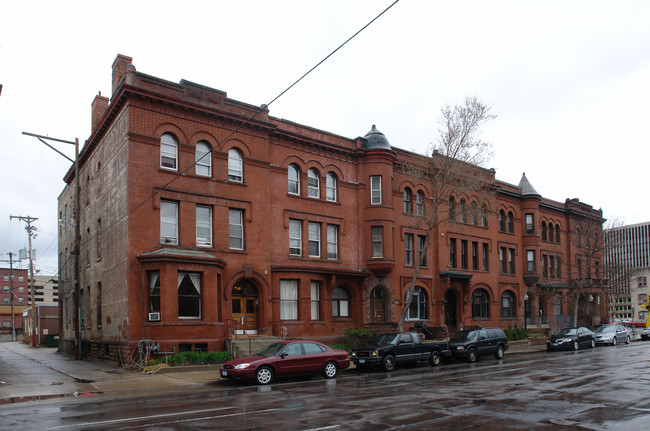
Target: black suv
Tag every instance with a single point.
(471, 343)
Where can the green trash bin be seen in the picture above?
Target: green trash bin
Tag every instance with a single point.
(52, 340)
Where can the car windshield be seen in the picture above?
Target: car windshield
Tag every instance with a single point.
(566, 331)
(271, 349)
(605, 329)
(465, 335)
(385, 340)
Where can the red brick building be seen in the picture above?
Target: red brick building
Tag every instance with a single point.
(18, 287)
(202, 217)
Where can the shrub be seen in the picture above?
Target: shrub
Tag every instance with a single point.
(515, 333)
(341, 346)
(358, 337)
(192, 358)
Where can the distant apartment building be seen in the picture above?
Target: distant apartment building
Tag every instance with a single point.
(627, 257)
(15, 284)
(46, 290)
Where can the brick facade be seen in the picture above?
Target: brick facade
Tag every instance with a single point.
(306, 267)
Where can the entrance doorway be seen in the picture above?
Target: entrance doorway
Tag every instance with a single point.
(451, 318)
(244, 308)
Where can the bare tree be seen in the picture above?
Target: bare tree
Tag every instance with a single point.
(587, 273)
(453, 167)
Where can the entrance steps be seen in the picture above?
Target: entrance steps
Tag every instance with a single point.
(247, 345)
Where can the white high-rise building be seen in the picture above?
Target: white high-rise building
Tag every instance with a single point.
(627, 257)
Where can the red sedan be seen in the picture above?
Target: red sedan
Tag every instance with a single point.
(287, 358)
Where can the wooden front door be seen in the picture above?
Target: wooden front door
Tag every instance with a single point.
(244, 308)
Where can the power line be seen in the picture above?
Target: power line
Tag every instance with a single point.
(248, 120)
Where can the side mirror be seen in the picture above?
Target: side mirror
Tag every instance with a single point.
(283, 354)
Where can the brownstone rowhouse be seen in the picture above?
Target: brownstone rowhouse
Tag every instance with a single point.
(203, 218)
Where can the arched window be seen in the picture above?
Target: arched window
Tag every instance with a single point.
(235, 165)
(484, 213)
(502, 220)
(378, 309)
(294, 179)
(419, 203)
(544, 237)
(340, 302)
(474, 212)
(313, 184)
(418, 308)
(508, 305)
(168, 152)
(330, 187)
(551, 233)
(463, 211)
(407, 200)
(452, 208)
(557, 233)
(480, 304)
(203, 159)
(511, 227)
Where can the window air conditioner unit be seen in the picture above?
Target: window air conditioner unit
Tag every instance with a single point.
(154, 317)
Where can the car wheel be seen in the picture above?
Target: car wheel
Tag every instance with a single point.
(434, 359)
(388, 363)
(330, 370)
(614, 341)
(576, 346)
(472, 355)
(627, 340)
(264, 375)
(499, 352)
(593, 343)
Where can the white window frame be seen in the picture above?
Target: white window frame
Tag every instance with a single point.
(295, 237)
(168, 152)
(168, 222)
(203, 166)
(332, 242)
(408, 248)
(331, 191)
(293, 179)
(235, 229)
(375, 189)
(314, 239)
(235, 165)
(419, 203)
(313, 184)
(195, 278)
(340, 303)
(315, 300)
(377, 241)
(203, 226)
(288, 299)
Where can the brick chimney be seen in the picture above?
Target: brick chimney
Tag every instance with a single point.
(99, 106)
(119, 69)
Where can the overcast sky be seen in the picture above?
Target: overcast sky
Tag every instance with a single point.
(569, 81)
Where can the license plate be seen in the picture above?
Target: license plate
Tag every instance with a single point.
(361, 361)
(224, 373)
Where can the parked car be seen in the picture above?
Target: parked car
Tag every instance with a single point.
(612, 334)
(389, 350)
(571, 338)
(470, 344)
(645, 335)
(287, 358)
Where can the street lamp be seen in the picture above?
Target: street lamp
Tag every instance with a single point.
(526, 311)
(77, 234)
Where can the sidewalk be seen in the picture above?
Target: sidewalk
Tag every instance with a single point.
(28, 374)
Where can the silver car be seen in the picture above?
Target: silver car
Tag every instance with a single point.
(612, 334)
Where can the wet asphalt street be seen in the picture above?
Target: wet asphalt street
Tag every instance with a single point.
(607, 388)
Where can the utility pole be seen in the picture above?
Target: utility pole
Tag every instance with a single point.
(11, 291)
(30, 233)
(77, 235)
